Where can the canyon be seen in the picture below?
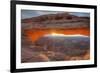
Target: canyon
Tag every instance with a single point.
(38, 48)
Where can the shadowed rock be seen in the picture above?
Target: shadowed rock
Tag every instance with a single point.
(58, 21)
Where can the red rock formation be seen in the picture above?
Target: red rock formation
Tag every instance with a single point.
(62, 23)
(58, 21)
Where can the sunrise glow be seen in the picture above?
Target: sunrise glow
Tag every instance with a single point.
(56, 34)
(64, 35)
(36, 34)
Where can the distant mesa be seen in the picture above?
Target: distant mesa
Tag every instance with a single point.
(63, 41)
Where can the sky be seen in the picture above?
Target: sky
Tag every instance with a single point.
(34, 13)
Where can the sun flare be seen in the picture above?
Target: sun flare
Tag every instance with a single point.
(54, 34)
(57, 34)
